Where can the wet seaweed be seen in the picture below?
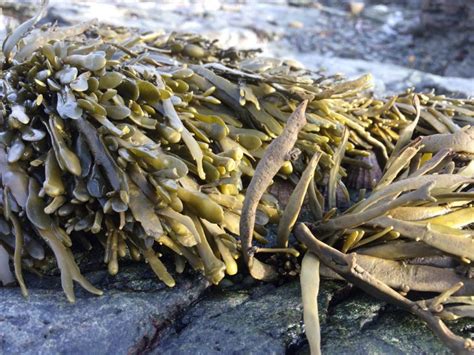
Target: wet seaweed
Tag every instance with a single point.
(161, 147)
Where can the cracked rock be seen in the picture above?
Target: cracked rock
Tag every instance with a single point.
(135, 305)
(266, 319)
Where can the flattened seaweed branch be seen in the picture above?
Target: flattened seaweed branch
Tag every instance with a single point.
(348, 267)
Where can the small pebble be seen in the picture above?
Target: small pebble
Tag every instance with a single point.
(296, 24)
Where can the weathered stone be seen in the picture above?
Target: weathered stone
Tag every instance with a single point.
(268, 319)
(441, 14)
(126, 318)
(393, 33)
(264, 319)
(138, 314)
(363, 325)
(390, 79)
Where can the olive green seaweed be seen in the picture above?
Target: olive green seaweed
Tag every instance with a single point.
(168, 149)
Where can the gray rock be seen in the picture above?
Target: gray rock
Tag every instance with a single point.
(388, 78)
(138, 314)
(134, 307)
(462, 68)
(266, 319)
(377, 12)
(362, 325)
(390, 33)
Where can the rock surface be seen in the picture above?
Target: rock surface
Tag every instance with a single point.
(398, 32)
(137, 314)
(388, 78)
(125, 319)
(391, 40)
(266, 319)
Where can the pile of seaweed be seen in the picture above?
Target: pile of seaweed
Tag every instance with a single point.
(163, 148)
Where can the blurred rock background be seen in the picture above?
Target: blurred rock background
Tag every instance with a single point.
(402, 42)
(422, 43)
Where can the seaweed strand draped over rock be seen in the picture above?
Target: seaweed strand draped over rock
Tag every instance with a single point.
(144, 146)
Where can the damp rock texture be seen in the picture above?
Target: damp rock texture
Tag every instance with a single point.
(139, 315)
(400, 42)
(268, 319)
(126, 319)
(264, 319)
(432, 36)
